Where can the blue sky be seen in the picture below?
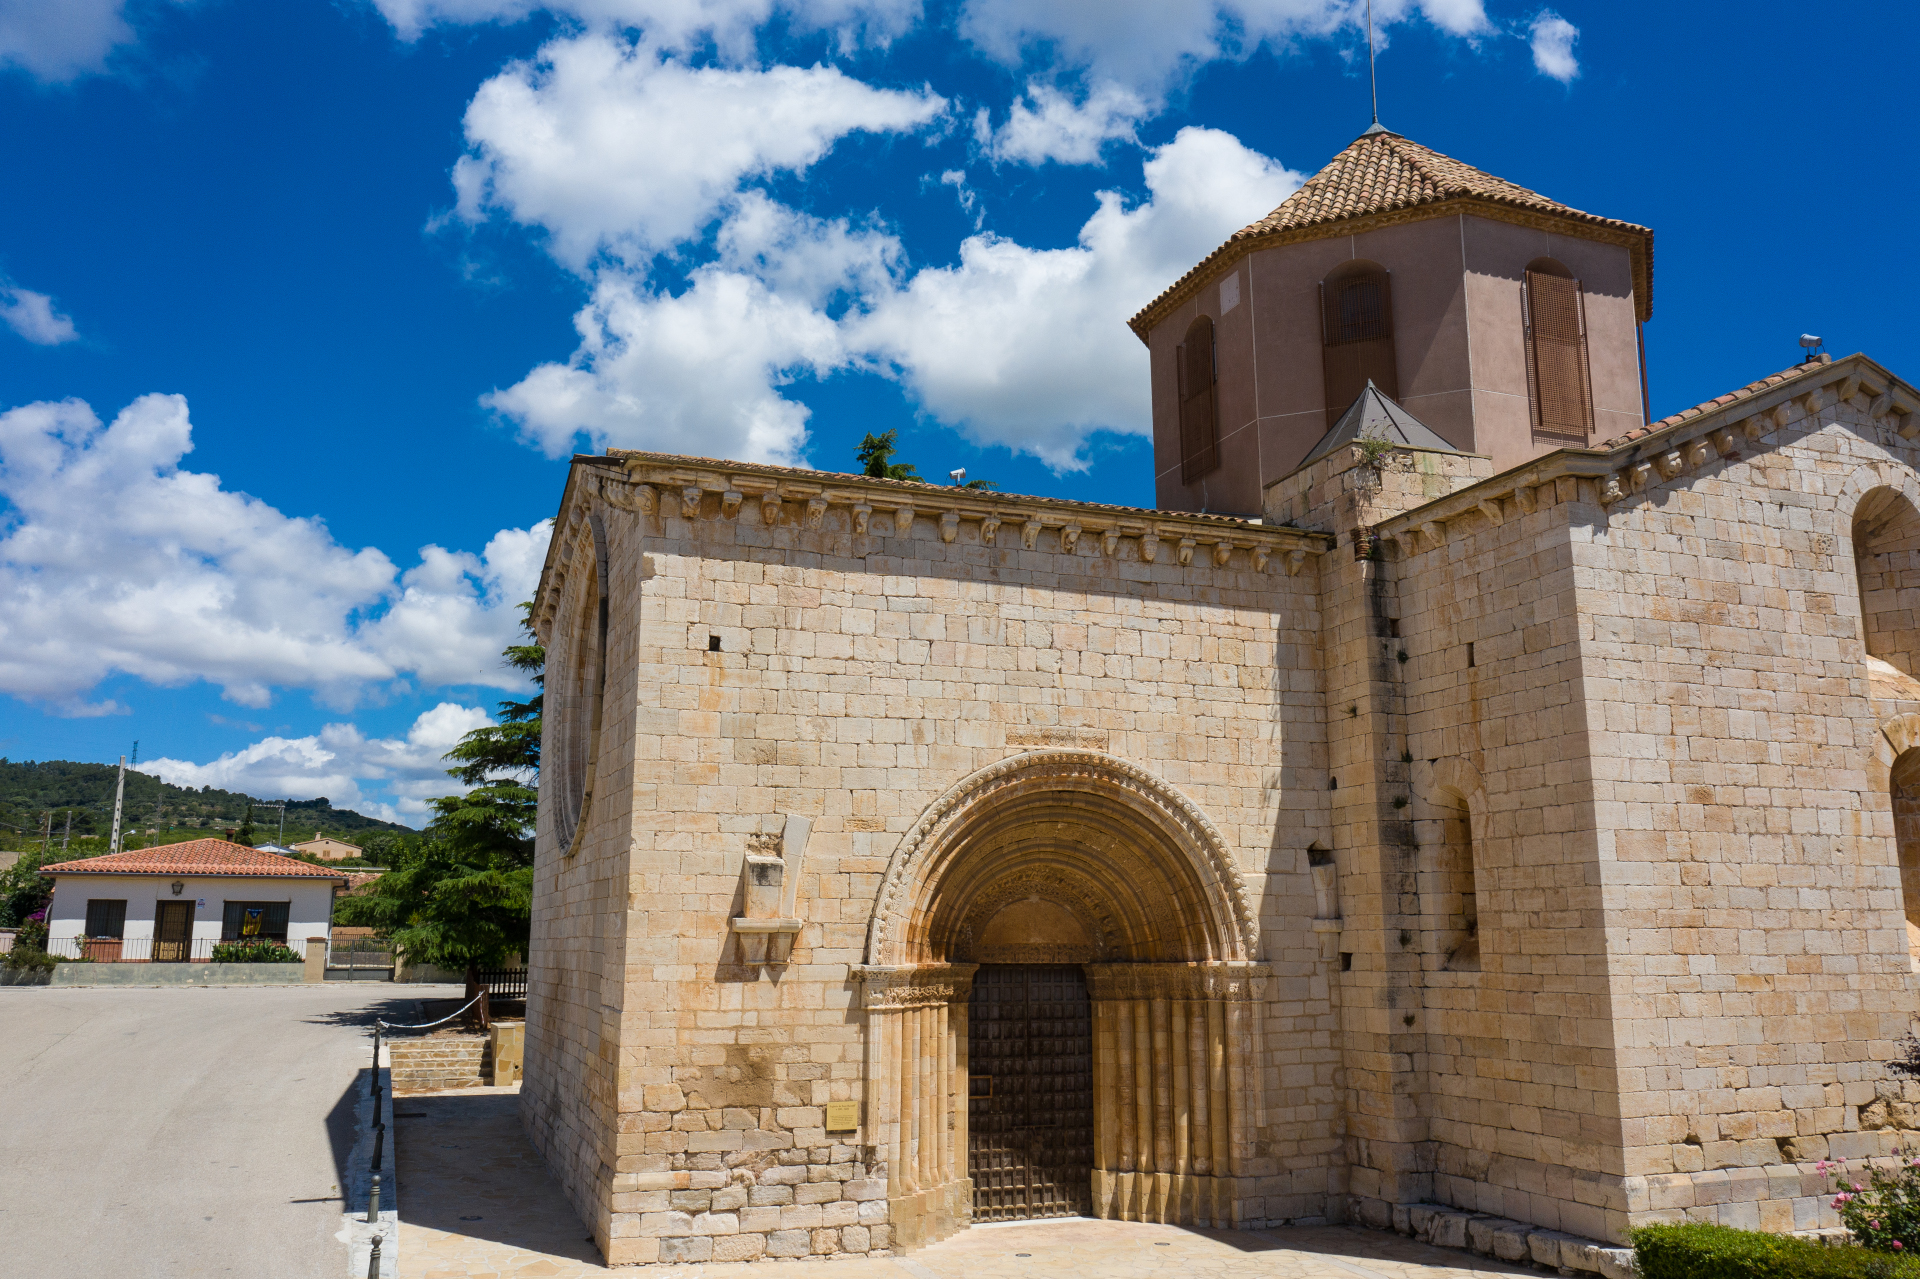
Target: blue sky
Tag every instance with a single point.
(306, 302)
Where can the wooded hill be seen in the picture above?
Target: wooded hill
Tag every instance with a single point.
(28, 790)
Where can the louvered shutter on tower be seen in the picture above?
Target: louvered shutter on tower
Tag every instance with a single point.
(1199, 420)
(1357, 335)
(1559, 382)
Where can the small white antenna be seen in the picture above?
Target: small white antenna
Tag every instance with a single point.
(1371, 77)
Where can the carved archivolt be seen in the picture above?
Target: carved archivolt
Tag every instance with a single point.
(1902, 733)
(1123, 850)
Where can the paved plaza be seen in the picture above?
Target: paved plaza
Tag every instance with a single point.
(182, 1131)
(477, 1203)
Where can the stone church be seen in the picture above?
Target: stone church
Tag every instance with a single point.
(1459, 798)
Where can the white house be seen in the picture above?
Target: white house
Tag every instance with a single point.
(176, 902)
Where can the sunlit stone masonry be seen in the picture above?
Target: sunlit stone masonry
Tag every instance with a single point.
(1457, 791)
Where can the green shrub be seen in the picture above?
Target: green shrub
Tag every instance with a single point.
(253, 952)
(1696, 1250)
(27, 959)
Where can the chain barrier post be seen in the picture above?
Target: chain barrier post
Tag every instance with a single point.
(373, 1259)
(373, 1201)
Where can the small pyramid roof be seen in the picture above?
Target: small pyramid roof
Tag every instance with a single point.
(1374, 416)
(1383, 175)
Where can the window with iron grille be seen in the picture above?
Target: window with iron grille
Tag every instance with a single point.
(249, 921)
(1559, 382)
(1199, 413)
(106, 919)
(1356, 335)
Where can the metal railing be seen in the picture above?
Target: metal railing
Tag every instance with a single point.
(360, 952)
(144, 950)
(505, 983)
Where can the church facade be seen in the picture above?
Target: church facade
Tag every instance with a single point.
(1458, 790)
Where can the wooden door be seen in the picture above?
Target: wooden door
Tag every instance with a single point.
(172, 932)
(1030, 1092)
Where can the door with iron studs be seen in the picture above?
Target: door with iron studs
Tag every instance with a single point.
(1030, 1092)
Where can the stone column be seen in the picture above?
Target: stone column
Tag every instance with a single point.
(916, 1089)
(1176, 1104)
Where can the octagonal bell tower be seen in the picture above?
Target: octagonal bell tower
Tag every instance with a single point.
(1507, 322)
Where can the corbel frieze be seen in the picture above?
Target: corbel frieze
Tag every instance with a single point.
(641, 484)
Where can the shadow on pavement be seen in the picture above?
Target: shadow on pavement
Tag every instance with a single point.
(468, 1172)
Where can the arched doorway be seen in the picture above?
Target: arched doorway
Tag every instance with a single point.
(1057, 872)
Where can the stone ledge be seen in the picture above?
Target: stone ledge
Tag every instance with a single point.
(1514, 1241)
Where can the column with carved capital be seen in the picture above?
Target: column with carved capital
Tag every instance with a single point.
(916, 1090)
(1176, 1107)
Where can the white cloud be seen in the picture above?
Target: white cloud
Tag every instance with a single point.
(1049, 125)
(1553, 38)
(676, 24)
(694, 372)
(612, 147)
(172, 578)
(341, 763)
(1028, 348)
(61, 40)
(33, 317)
(1148, 44)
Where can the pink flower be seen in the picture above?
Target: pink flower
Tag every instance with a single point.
(1874, 1225)
(1897, 1245)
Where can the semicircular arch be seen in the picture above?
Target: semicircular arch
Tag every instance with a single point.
(1140, 866)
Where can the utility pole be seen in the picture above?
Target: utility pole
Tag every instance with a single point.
(68, 834)
(119, 795)
(46, 842)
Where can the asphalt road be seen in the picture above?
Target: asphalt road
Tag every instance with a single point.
(181, 1131)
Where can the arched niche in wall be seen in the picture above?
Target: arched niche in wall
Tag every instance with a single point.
(1356, 334)
(1886, 563)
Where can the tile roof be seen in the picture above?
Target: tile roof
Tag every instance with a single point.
(195, 857)
(1384, 173)
(1717, 402)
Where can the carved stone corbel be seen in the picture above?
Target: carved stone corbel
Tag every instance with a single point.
(690, 501)
(1881, 403)
(1611, 490)
(730, 503)
(1849, 388)
(1699, 453)
(861, 514)
(1029, 533)
(1260, 556)
(1723, 440)
(1566, 488)
(1070, 538)
(949, 525)
(1149, 547)
(1435, 532)
(1640, 476)
(1526, 499)
(989, 529)
(1109, 542)
(902, 521)
(770, 507)
(1222, 553)
(1671, 464)
(1490, 507)
(1295, 559)
(1812, 402)
(1186, 551)
(816, 511)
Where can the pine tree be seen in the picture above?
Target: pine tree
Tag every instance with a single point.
(875, 454)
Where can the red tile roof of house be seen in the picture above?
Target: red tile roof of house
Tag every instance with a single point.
(195, 857)
(1385, 177)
